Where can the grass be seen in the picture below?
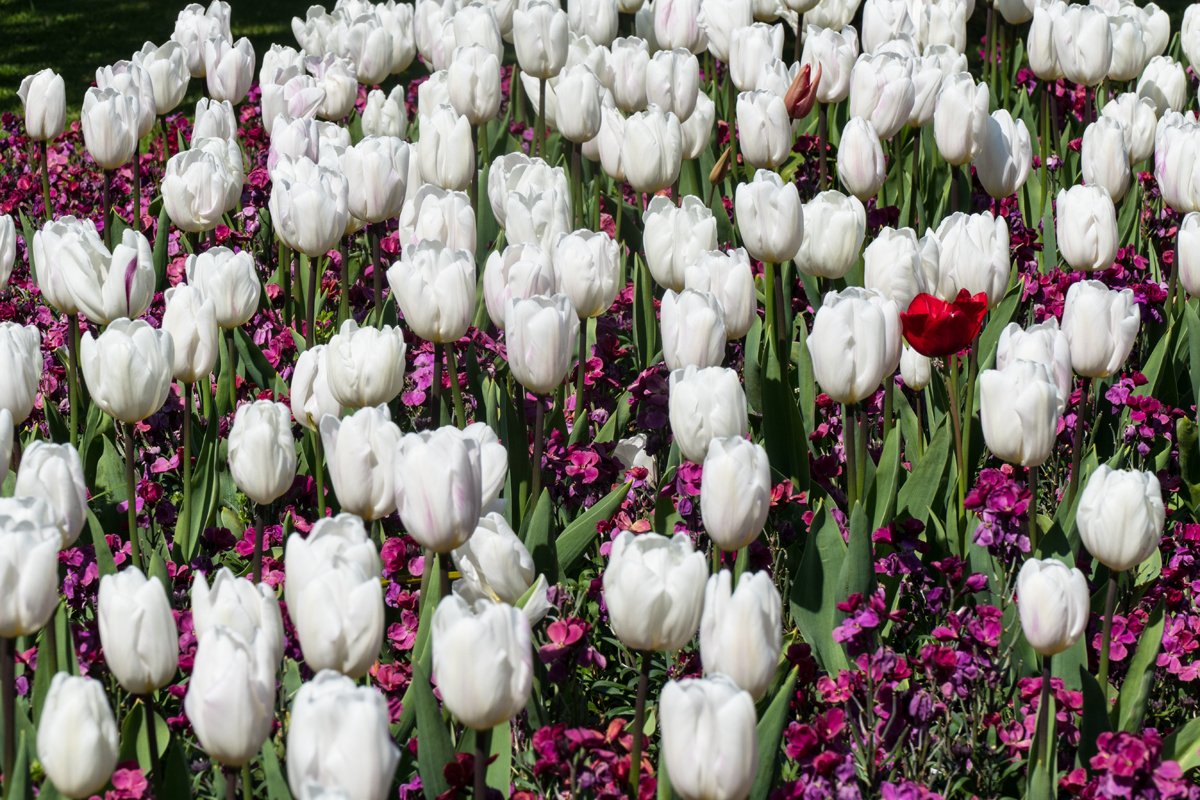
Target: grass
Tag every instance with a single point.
(73, 37)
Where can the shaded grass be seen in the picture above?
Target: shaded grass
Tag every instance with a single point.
(73, 37)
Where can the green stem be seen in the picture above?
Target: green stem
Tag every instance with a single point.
(483, 750)
(1033, 509)
(1044, 739)
(106, 207)
(131, 490)
(166, 141)
(187, 470)
(8, 686)
(848, 437)
(314, 285)
(285, 282)
(344, 295)
(889, 390)
(232, 353)
(960, 458)
(73, 400)
(377, 276)
(862, 454)
(639, 723)
(443, 575)
(460, 409)
(539, 435)
(319, 471)
(298, 289)
(1110, 606)
(257, 557)
(435, 388)
(135, 215)
(969, 405)
(581, 374)
(45, 159)
(230, 784)
(152, 740)
(822, 144)
(541, 118)
(1077, 444)
(247, 786)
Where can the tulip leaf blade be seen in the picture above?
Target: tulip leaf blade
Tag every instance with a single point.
(813, 598)
(918, 491)
(436, 750)
(1193, 331)
(1183, 745)
(158, 255)
(857, 575)
(536, 537)
(783, 427)
(499, 771)
(645, 324)
(575, 539)
(886, 478)
(663, 788)
(1095, 715)
(1135, 692)
(254, 363)
(104, 556)
(277, 788)
(770, 731)
(17, 788)
(205, 495)
(998, 319)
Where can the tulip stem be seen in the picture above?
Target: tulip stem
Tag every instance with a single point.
(822, 140)
(247, 786)
(285, 282)
(1110, 606)
(318, 470)
(45, 159)
(73, 399)
(1077, 445)
(443, 575)
(577, 183)
(969, 405)
(861, 455)
(166, 141)
(152, 740)
(541, 118)
(310, 316)
(344, 295)
(230, 784)
(1044, 740)
(187, 470)
(135, 214)
(8, 684)
(483, 750)
(639, 722)
(435, 388)
(539, 432)
(960, 458)
(889, 389)
(106, 207)
(581, 374)
(376, 275)
(257, 557)
(915, 174)
(460, 409)
(1032, 474)
(232, 351)
(131, 492)
(848, 446)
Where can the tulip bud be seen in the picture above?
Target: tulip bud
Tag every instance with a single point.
(1053, 601)
(439, 487)
(1120, 517)
(587, 269)
(882, 92)
(191, 320)
(338, 741)
(1165, 83)
(885, 21)
(1086, 227)
(540, 38)
(29, 542)
(1187, 253)
(735, 493)
(1129, 49)
(128, 78)
(435, 214)
(369, 45)
(960, 118)
(764, 129)
(482, 660)
(654, 590)
(1102, 325)
(834, 54)
(54, 473)
(110, 126)
(311, 396)
(245, 610)
(229, 69)
(376, 172)
(675, 237)
(652, 150)
(309, 205)
(1138, 122)
(1003, 162)
(359, 450)
(262, 452)
(474, 83)
(972, 254)
(1177, 141)
(860, 164)
(915, 369)
(496, 565)
(630, 64)
(854, 343)
(835, 226)
(728, 278)
(214, 120)
(1083, 44)
(230, 698)
(719, 19)
(196, 189)
(1043, 344)
(673, 82)
(741, 632)
(77, 741)
(749, 48)
(693, 330)
(44, 96)
(445, 152)
(770, 217)
(892, 266)
(1015, 12)
(709, 738)
(435, 289)
(585, 51)
(676, 24)
(137, 631)
(229, 280)
(802, 94)
(1019, 409)
(1189, 35)
(1156, 27)
(385, 115)
(363, 367)
(21, 364)
(578, 113)
(705, 404)
(128, 369)
(595, 19)
(334, 594)
(540, 334)
(1104, 157)
(610, 141)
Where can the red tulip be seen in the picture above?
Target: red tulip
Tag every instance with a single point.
(934, 327)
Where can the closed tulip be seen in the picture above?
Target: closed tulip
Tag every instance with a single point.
(493, 459)
(44, 97)
(229, 69)
(630, 63)
(719, 19)
(654, 590)
(1101, 325)
(29, 543)
(433, 213)
(596, 20)
(915, 369)
(369, 45)
(1104, 157)
(884, 21)
(128, 369)
(705, 404)
(652, 150)
(229, 280)
(928, 75)
(21, 364)
(8, 248)
(106, 285)
(1120, 516)
(860, 164)
(960, 118)
(538, 217)
(1155, 24)
(214, 119)
(1176, 170)
(764, 129)
(834, 51)
(540, 36)
(540, 334)
(195, 25)
(495, 565)
(435, 289)
(1187, 253)
(311, 396)
(1043, 344)
(735, 493)
(246, 610)
(473, 78)
(1053, 602)
(1083, 44)
(1086, 227)
(338, 742)
(892, 266)
(385, 114)
(587, 269)
(77, 741)
(673, 82)
(262, 451)
(677, 24)
(515, 173)
(518, 272)
(110, 126)
(882, 92)
(376, 172)
(137, 631)
(364, 367)
(359, 451)
(1128, 49)
(445, 152)
(1039, 43)
(1003, 162)
(697, 131)
(1138, 122)
(54, 473)
(854, 343)
(675, 236)
(334, 595)
(751, 47)
(197, 188)
(693, 330)
(1189, 35)
(709, 738)
(128, 78)
(579, 104)
(1019, 408)
(728, 278)
(439, 487)
(770, 217)
(741, 632)
(230, 699)
(973, 254)
(1164, 82)
(835, 226)
(309, 205)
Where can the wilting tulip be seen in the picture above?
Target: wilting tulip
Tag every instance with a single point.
(751, 47)
(44, 96)
(229, 69)
(764, 129)
(709, 739)
(214, 120)
(1086, 227)
(1003, 162)
(1104, 157)
(973, 255)
(496, 565)
(673, 82)
(1019, 411)
(654, 590)
(770, 217)
(892, 266)
(435, 289)
(652, 150)
(860, 162)
(21, 364)
(128, 369)
(1053, 602)
(1101, 325)
(1083, 44)
(735, 492)
(728, 278)
(445, 152)
(882, 92)
(248, 611)
(834, 53)
(195, 25)
(1164, 82)
(1120, 516)
(262, 451)
(54, 473)
(137, 631)
(1043, 344)
(309, 206)
(960, 118)
(693, 330)
(540, 36)
(230, 700)
(915, 369)
(705, 404)
(1138, 122)
(229, 280)
(834, 228)
(29, 543)
(77, 741)
(359, 451)
(385, 115)
(540, 334)
(110, 126)
(854, 343)
(1128, 49)
(675, 237)
(439, 487)
(338, 742)
(741, 632)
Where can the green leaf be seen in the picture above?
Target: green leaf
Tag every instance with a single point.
(104, 556)
(159, 254)
(205, 493)
(514, 435)
(277, 788)
(256, 366)
(18, 787)
(537, 537)
(998, 320)
(1193, 331)
(782, 427)
(499, 771)
(857, 575)
(813, 598)
(1041, 779)
(1131, 704)
(436, 750)
(664, 780)
(887, 476)
(575, 539)
(922, 485)
(1095, 716)
(770, 730)
(645, 323)
(1183, 745)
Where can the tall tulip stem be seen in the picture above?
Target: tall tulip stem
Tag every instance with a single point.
(443, 574)
(969, 405)
(231, 780)
(344, 294)
(152, 739)
(460, 408)
(256, 558)
(106, 206)
(1044, 740)
(131, 490)
(539, 435)
(483, 750)
(135, 214)
(959, 455)
(639, 722)
(1077, 445)
(1033, 511)
(577, 183)
(861, 454)
(822, 142)
(581, 374)
(915, 174)
(541, 118)
(187, 468)
(232, 353)
(314, 286)
(318, 470)
(377, 273)
(247, 785)
(73, 399)
(45, 170)
(8, 685)
(166, 141)
(850, 450)
(889, 390)
(435, 388)
(1110, 606)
